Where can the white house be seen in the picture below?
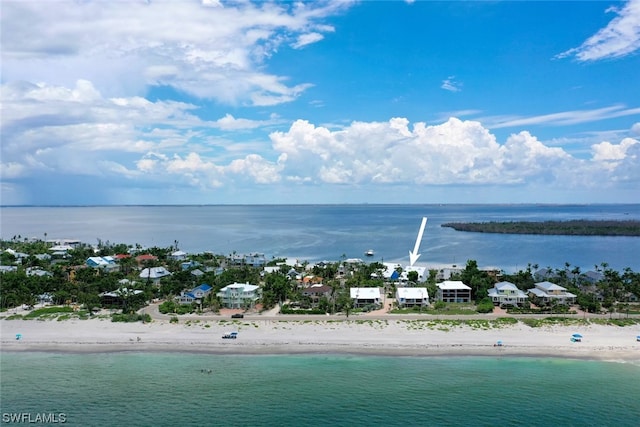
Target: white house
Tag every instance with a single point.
(37, 271)
(239, 295)
(547, 292)
(506, 293)
(178, 256)
(365, 296)
(420, 270)
(412, 297)
(154, 274)
(453, 291)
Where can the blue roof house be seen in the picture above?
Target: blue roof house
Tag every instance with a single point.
(195, 295)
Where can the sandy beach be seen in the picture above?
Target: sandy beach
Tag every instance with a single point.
(357, 335)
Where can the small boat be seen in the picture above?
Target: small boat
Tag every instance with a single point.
(370, 252)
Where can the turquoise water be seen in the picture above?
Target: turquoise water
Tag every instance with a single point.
(157, 389)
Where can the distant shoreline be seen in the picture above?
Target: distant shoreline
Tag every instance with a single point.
(581, 227)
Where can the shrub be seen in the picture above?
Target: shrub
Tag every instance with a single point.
(287, 310)
(130, 317)
(485, 307)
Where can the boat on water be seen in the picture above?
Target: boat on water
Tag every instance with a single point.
(370, 252)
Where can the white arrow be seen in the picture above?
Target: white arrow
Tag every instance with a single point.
(414, 255)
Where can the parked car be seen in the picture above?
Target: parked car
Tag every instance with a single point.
(230, 335)
(237, 316)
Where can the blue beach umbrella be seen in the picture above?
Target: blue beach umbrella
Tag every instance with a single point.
(18, 336)
(576, 336)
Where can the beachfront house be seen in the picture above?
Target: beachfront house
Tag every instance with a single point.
(118, 297)
(412, 297)
(546, 293)
(239, 295)
(196, 294)
(154, 274)
(453, 291)
(316, 292)
(363, 297)
(420, 270)
(507, 294)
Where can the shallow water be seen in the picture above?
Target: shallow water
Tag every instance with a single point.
(318, 390)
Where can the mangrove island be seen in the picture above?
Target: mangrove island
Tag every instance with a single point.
(579, 227)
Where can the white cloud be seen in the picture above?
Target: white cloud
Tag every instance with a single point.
(451, 84)
(606, 151)
(306, 39)
(562, 118)
(619, 38)
(70, 132)
(454, 152)
(209, 52)
(228, 122)
(12, 170)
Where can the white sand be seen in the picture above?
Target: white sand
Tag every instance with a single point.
(358, 335)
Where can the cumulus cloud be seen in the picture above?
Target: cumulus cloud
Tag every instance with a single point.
(209, 50)
(453, 152)
(619, 38)
(76, 131)
(606, 151)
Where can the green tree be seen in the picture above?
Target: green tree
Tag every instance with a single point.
(413, 276)
(277, 288)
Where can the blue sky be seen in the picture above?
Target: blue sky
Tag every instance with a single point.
(216, 102)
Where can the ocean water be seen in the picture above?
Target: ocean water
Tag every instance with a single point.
(329, 232)
(175, 389)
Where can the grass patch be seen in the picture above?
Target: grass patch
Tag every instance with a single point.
(47, 312)
(15, 317)
(552, 321)
(616, 322)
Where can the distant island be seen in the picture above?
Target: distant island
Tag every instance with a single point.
(580, 227)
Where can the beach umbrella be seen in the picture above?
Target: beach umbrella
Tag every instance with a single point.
(576, 336)
(18, 336)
